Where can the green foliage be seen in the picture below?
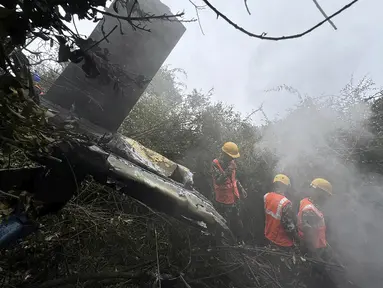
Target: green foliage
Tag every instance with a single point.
(25, 19)
(22, 17)
(23, 124)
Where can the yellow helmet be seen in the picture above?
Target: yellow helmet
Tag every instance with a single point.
(282, 178)
(322, 184)
(231, 149)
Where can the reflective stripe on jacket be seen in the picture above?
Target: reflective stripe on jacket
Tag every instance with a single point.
(274, 230)
(319, 240)
(227, 193)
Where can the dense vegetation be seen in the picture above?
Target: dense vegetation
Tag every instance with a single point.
(339, 139)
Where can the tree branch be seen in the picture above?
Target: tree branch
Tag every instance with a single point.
(29, 42)
(324, 14)
(103, 31)
(41, 61)
(9, 194)
(253, 112)
(132, 8)
(32, 52)
(247, 7)
(158, 260)
(197, 8)
(147, 18)
(277, 38)
(75, 27)
(102, 39)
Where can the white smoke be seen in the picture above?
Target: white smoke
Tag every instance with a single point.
(322, 138)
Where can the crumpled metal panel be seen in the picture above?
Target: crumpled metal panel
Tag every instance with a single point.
(126, 147)
(133, 151)
(143, 174)
(165, 193)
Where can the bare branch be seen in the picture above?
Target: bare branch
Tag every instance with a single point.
(75, 27)
(132, 8)
(184, 281)
(265, 116)
(277, 38)
(32, 52)
(253, 112)
(376, 95)
(247, 7)
(8, 194)
(120, 24)
(324, 14)
(147, 18)
(102, 39)
(197, 8)
(158, 260)
(103, 31)
(41, 61)
(33, 38)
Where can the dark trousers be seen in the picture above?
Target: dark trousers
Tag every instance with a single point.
(284, 264)
(231, 213)
(322, 276)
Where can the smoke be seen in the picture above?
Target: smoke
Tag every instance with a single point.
(325, 138)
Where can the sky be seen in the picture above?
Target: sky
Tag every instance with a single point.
(241, 68)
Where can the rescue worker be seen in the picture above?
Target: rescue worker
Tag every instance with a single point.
(227, 189)
(280, 229)
(311, 222)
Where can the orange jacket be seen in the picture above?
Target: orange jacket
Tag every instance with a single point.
(226, 193)
(320, 231)
(274, 230)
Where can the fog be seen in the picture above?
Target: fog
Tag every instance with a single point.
(322, 138)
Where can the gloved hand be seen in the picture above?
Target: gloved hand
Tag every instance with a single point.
(244, 193)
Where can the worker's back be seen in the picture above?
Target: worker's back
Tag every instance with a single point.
(274, 231)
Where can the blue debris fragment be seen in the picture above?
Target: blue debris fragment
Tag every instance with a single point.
(36, 77)
(15, 228)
